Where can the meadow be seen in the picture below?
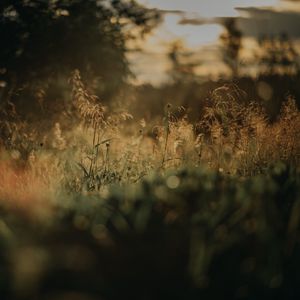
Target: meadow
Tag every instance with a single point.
(101, 205)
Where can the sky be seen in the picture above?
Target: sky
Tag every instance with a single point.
(197, 23)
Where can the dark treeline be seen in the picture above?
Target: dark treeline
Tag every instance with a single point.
(268, 90)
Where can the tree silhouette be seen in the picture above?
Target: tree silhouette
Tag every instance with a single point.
(278, 55)
(232, 43)
(183, 63)
(44, 40)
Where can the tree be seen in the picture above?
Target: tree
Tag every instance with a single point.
(278, 55)
(182, 62)
(44, 40)
(232, 43)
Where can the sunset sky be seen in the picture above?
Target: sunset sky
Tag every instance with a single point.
(197, 24)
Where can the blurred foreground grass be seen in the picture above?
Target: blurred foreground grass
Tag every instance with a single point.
(188, 234)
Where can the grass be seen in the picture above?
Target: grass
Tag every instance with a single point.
(103, 205)
(188, 234)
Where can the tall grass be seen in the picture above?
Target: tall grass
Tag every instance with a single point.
(106, 147)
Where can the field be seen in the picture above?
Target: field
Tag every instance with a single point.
(108, 206)
(149, 150)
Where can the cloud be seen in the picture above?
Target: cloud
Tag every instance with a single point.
(171, 11)
(196, 21)
(255, 22)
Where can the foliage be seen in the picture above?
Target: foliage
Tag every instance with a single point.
(183, 64)
(45, 40)
(278, 55)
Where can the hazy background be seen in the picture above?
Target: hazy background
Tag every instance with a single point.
(199, 24)
(143, 54)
